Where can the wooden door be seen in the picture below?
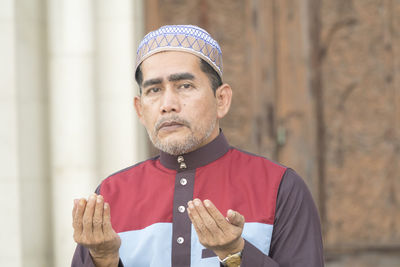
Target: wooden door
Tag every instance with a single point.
(316, 87)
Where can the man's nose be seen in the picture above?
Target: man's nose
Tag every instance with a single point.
(170, 102)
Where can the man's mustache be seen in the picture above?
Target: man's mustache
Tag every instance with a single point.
(172, 119)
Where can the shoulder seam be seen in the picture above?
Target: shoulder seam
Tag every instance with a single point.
(133, 166)
(259, 156)
(125, 169)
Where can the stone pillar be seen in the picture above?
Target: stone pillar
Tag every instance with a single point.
(92, 122)
(72, 115)
(32, 133)
(118, 129)
(10, 234)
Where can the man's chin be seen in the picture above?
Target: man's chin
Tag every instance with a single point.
(173, 140)
(174, 148)
(175, 145)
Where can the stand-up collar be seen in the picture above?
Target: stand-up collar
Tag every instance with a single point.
(200, 157)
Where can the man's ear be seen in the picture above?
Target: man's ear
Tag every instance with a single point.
(138, 108)
(223, 95)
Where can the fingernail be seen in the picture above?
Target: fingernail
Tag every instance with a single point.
(231, 213)
(98, 200)
(76, 201)
(190, 204)
(82, 201)
(207, 203)
(197, 202)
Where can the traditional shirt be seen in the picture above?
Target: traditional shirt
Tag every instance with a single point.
(148, 209)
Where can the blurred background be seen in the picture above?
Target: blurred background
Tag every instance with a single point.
(316, 87)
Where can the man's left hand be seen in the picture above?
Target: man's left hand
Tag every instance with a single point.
(221, 235)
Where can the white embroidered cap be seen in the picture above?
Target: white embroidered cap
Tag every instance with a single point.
(187, 38)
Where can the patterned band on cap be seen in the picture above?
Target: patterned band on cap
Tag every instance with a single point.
(187, 38)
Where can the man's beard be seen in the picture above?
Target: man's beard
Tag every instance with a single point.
(182, 146)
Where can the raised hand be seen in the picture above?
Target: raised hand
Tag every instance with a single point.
(93, 229)
(221, 235)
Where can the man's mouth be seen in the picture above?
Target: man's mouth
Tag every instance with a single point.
(170, 125)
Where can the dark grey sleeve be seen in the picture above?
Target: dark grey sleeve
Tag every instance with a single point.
(82, 256)
(296, 238)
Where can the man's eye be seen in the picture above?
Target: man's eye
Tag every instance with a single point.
(185, 86)
(153, 90)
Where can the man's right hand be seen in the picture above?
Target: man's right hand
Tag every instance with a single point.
(92, 229)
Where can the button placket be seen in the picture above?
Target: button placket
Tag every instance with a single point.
(181, 247)
(183, 181)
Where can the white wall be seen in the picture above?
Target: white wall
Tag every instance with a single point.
(66, 113)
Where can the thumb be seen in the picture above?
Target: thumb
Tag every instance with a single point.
(235, 218)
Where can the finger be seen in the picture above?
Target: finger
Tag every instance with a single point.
(98, 218)
(207, 219)
(196, 219)
(78, 217)
(235, 218)
(76, 201)
(215, 214)
(107, 227)
(88, 216)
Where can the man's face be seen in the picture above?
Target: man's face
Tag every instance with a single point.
(177, 105)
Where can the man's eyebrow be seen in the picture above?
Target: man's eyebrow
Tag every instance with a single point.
(152, 82)
(180, 76)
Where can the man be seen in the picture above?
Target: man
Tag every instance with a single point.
(200, 202)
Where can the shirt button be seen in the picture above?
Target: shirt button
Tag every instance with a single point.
(180, 159)
(181, 209)
(183, 165)
(180, 240)
(183, 181)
